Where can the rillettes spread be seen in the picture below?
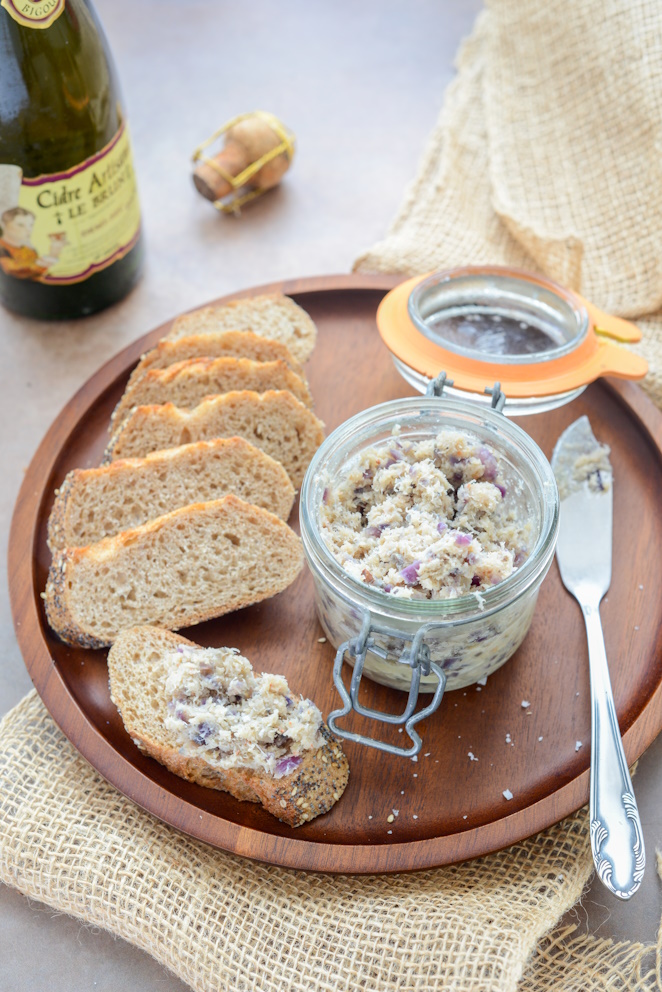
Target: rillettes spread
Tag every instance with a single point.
(427, 519)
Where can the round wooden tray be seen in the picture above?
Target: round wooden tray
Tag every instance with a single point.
(449, 807)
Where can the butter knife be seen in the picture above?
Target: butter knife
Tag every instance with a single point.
(583, 473)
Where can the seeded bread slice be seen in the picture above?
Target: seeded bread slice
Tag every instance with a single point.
(188, 383)
(271, 316)
(185, 567)
(100, 502)
(226, 344)
(274, 421)
(139, 663)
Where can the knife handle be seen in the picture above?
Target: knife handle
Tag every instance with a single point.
(617, 840)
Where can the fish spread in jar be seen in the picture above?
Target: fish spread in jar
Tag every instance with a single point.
(428, 519)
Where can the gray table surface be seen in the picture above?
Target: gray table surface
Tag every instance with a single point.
(361, 85)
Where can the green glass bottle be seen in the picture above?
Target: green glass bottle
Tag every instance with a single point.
(70, 240)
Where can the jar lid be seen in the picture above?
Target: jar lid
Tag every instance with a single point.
(478, 324)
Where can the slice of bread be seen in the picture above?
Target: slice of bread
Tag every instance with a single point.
(100, 502)
(274, 421)
(226, 344)
(185, 567)
(188, 383)
(271, 316)
(140, 663)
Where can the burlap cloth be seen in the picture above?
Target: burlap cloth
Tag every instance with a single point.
(223, 924)
(546, 156)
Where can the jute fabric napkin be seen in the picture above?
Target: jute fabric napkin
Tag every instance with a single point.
(223, 924)
(545, 156)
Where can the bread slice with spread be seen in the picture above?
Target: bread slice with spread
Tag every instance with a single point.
(182, 568)
(92, 504)
(271, 316)
(206, 716)
(188, 383)
(275, 422)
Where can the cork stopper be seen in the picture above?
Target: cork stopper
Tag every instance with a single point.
(257, 153)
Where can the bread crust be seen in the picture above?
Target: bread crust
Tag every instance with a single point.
(308, 791)
(321, 776)
(302, 331)
(232, 344)
(56, 527)
(72, 489)
(177, 381)
(298, 417)
(59, 610)
(55, 603)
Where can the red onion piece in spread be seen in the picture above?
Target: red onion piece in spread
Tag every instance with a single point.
(287, 765)
(489, 464)
(410, 573)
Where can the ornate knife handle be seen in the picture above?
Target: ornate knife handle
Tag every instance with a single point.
(617, 840)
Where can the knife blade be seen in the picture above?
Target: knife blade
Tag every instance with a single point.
(584, 551)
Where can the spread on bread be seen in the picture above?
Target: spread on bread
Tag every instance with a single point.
(220, 710)
(205, 715)
(185, 522)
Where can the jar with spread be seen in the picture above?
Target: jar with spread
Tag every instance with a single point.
(429, 511)
(429, 524)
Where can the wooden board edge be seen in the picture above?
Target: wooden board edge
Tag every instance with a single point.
(287, 852)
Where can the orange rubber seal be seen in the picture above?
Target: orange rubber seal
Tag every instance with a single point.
(594, 357)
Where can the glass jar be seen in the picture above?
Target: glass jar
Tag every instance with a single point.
(474, 634)
(485, 324)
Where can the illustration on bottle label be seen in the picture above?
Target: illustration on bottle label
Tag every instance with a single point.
(34, 13)
(61, 228)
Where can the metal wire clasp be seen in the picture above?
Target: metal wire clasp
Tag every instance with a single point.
(417, 656)
(233, 201)
(436, 386)
(498, 397)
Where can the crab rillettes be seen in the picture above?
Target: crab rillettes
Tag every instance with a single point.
(468, 630)
(427, 519)
(222, 711)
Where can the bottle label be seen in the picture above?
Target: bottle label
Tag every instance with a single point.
(34, 13)
(62, 228)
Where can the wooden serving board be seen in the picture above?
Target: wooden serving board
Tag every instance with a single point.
(449, 807)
